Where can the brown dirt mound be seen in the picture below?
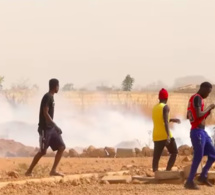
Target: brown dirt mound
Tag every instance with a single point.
(185, 150)
(11, 148)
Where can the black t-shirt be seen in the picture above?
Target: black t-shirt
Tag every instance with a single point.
(48, 100)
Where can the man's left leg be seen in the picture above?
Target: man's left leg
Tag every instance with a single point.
(172, 148)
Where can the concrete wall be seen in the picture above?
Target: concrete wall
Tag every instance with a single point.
(145, 101)
(129, 100)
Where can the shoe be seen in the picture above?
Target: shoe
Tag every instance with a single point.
(191, 186)
(204, 181)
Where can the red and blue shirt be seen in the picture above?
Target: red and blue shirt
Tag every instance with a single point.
(195, 101)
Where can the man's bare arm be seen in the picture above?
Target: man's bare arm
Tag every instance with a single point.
(49, 119)
(198, 104)
(200, 113)
(165, 118)
(175, 120)
(47, 116)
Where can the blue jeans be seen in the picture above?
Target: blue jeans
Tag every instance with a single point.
(202, 146)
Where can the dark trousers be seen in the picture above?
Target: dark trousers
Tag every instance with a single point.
(158, 149)
(202, 145)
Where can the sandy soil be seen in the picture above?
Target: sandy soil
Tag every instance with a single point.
(89, 165)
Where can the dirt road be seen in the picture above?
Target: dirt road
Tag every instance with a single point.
(88, 165)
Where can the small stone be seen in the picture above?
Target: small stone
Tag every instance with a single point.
(150, 174)
(186, 159)
(136, 182)
(104, 182)
(13, 174)
(117, 179)
(62, 181)
(75, 182)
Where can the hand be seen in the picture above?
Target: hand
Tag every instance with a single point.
(59, 131)
(212, 106)
(176, 121)
(168, 141)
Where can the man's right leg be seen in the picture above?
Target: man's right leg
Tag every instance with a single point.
(198, 142)
(158, 149)
(210, 152)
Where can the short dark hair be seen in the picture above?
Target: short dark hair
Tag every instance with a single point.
(205, 85)
(53, 83)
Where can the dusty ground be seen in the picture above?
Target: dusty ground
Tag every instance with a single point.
(88, 165)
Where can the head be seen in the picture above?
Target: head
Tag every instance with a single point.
(163, 95)
(205, 89)
(54, 85)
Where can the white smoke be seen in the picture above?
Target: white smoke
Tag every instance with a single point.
(98, 126)
(182, 132)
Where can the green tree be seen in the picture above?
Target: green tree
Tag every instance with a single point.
(68, 87)
(127, 83)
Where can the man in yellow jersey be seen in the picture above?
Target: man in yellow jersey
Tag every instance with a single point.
(162, 136)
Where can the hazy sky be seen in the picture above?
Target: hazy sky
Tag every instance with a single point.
(90, 41)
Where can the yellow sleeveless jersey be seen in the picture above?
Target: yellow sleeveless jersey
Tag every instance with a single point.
(159, 131)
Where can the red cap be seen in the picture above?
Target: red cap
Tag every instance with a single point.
(163, 94)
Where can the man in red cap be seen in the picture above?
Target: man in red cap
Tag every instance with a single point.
(162, 136)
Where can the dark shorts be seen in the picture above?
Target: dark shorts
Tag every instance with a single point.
(50, 137)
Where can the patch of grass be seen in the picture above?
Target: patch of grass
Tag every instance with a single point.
(22, 168)
(42, 170)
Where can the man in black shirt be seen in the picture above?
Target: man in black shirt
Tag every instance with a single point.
(49, 132)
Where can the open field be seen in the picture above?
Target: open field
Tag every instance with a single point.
(13, 169)
(70, 166)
